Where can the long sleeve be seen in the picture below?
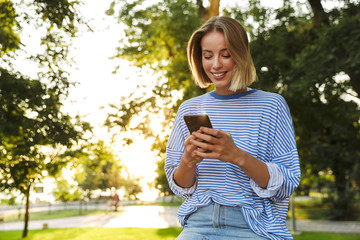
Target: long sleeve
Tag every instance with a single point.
(275, 182)
(284, 165)
(174, 152)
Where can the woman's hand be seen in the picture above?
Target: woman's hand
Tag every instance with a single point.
(219, 144)
(185, 174)
(190, 157)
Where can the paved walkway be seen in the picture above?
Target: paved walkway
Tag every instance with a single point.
(161, 217)
(327, 226)
(127, 216)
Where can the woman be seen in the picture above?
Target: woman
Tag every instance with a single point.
(238, 176)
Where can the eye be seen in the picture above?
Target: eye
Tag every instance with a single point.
(207, 57)
(226, 56)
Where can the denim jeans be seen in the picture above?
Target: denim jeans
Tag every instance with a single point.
(217, 222)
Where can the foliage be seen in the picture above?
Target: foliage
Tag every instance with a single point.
(9, 39)
(31, 119)
(321, 182)
(318, 209)
(297, 56)
(132, 188)
(153, 43)
(98, 168)
(8, 198)
(31, 116)
(32, 122)
(65, 192)
(161, 182)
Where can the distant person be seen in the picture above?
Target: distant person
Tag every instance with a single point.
(237, 184)
(116, 201)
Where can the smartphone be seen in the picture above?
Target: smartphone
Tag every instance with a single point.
(194, 122)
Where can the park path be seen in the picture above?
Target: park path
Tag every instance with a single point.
(161, 217)
(126, 216)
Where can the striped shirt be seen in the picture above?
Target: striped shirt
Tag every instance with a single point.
(259, 123)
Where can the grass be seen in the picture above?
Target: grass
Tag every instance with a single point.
(137, 234)
(54, 214)
(326, 236)
(311, 209)
(95, 233)
(316, 209)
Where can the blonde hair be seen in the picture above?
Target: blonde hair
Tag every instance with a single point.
(237, 42)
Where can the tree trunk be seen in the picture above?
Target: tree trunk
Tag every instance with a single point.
(26, 221)
(342, 203)
(214, 8)
(320, 16)
(211, 12)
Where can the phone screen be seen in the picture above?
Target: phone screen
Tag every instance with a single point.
(194, 122)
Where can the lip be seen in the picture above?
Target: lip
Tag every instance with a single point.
(219, 75)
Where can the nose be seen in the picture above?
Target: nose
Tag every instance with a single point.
(217, 64)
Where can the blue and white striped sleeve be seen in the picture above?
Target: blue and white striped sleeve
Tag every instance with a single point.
(171, 164)
(275, 182)
(284, 168)
(284, 152)
(174, 151)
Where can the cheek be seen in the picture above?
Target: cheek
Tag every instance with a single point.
(206, 65)
(231, 64)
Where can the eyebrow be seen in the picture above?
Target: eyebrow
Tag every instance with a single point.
(222, 50)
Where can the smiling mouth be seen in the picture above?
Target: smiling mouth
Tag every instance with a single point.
(219, 74)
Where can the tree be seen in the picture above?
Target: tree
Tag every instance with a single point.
(132, 188)
(30, 108)
(335, 136)
(98, 168)
(65, 192)
(293, 58)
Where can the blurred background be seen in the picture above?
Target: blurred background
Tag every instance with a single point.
(89, 91)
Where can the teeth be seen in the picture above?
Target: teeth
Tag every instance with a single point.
(218, 74)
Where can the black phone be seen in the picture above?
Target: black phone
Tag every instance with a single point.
(194, 122)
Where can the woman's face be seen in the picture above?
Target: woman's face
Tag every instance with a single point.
(217, 62)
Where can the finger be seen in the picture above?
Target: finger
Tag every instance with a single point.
(196, 157)
(204, 137)
(199, 149)
(211, 131)
(188, 139)
(203, 145)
